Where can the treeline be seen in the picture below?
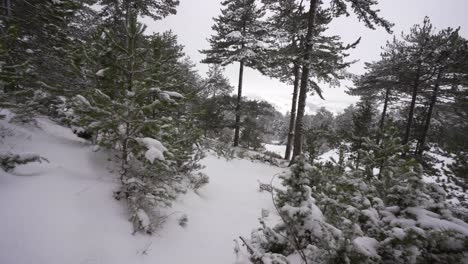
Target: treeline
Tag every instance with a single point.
(423, 72)
(286, 40)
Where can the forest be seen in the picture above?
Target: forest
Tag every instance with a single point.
(111, 131)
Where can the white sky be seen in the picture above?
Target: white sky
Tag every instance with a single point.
(193, 24)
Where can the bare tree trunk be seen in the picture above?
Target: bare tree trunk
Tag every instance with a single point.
(413, 103)
(238, 106)
(422, 141)
(384, 113)
(124, 164)
(130, 43)
(6, 4)
(292, 120)
(299, 127)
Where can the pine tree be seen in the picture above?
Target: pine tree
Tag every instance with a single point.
(450, 55)
(134, 108)
(382, 212)
(238, 38)
(34, 47)
(380, 79)
(364, 11)
(285, 23)
(216, 84)
(213, 106)
(122, 10)
(363, 126)
(411, 66)
(283, 57)
(420, 54)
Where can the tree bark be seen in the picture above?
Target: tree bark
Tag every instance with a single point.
(7, 8)
(238, 106)
(299, 126)
(429, 117)
(413, 103)
(292, 120)
(384, 113)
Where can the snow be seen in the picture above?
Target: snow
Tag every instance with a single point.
(329, 155)
(398, 233)
(366, 246)
(144, 218)
(64, 212)
(153, 153)
(174, 94)
(432, 220)
(442, 161)
(234, 35)
(372, 214)
(155, 149)
(101, 72)
(278, 149)
(83, 100)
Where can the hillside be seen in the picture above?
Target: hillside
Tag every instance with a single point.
(63, 211)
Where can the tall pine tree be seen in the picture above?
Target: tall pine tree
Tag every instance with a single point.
(238, 38)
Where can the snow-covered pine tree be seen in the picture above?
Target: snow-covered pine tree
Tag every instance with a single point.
(303, 232)
(122, 10)
(35, 42)
(238, 37)
(363, 126)
(365, 12)
(382, 212)
(126, 113)
(282, 61)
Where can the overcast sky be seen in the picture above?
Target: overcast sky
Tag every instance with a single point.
(193, 24)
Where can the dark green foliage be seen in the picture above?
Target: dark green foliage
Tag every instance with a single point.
(329, 215)
(35, 43)
(238, 35)
(9, 161)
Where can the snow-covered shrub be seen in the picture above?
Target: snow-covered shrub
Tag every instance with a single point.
(199, 180)
(9, 161)
(265, 159)
(378, 212)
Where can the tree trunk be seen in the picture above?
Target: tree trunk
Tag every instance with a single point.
(428, 118)
(413, 103)
(292, 120)
(238, 106)
(299, 126)
(7, 7)
(384, 113)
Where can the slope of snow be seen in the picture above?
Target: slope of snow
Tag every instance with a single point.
(63, 211)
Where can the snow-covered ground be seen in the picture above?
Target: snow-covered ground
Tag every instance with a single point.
(63, 211)
(278, 149)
